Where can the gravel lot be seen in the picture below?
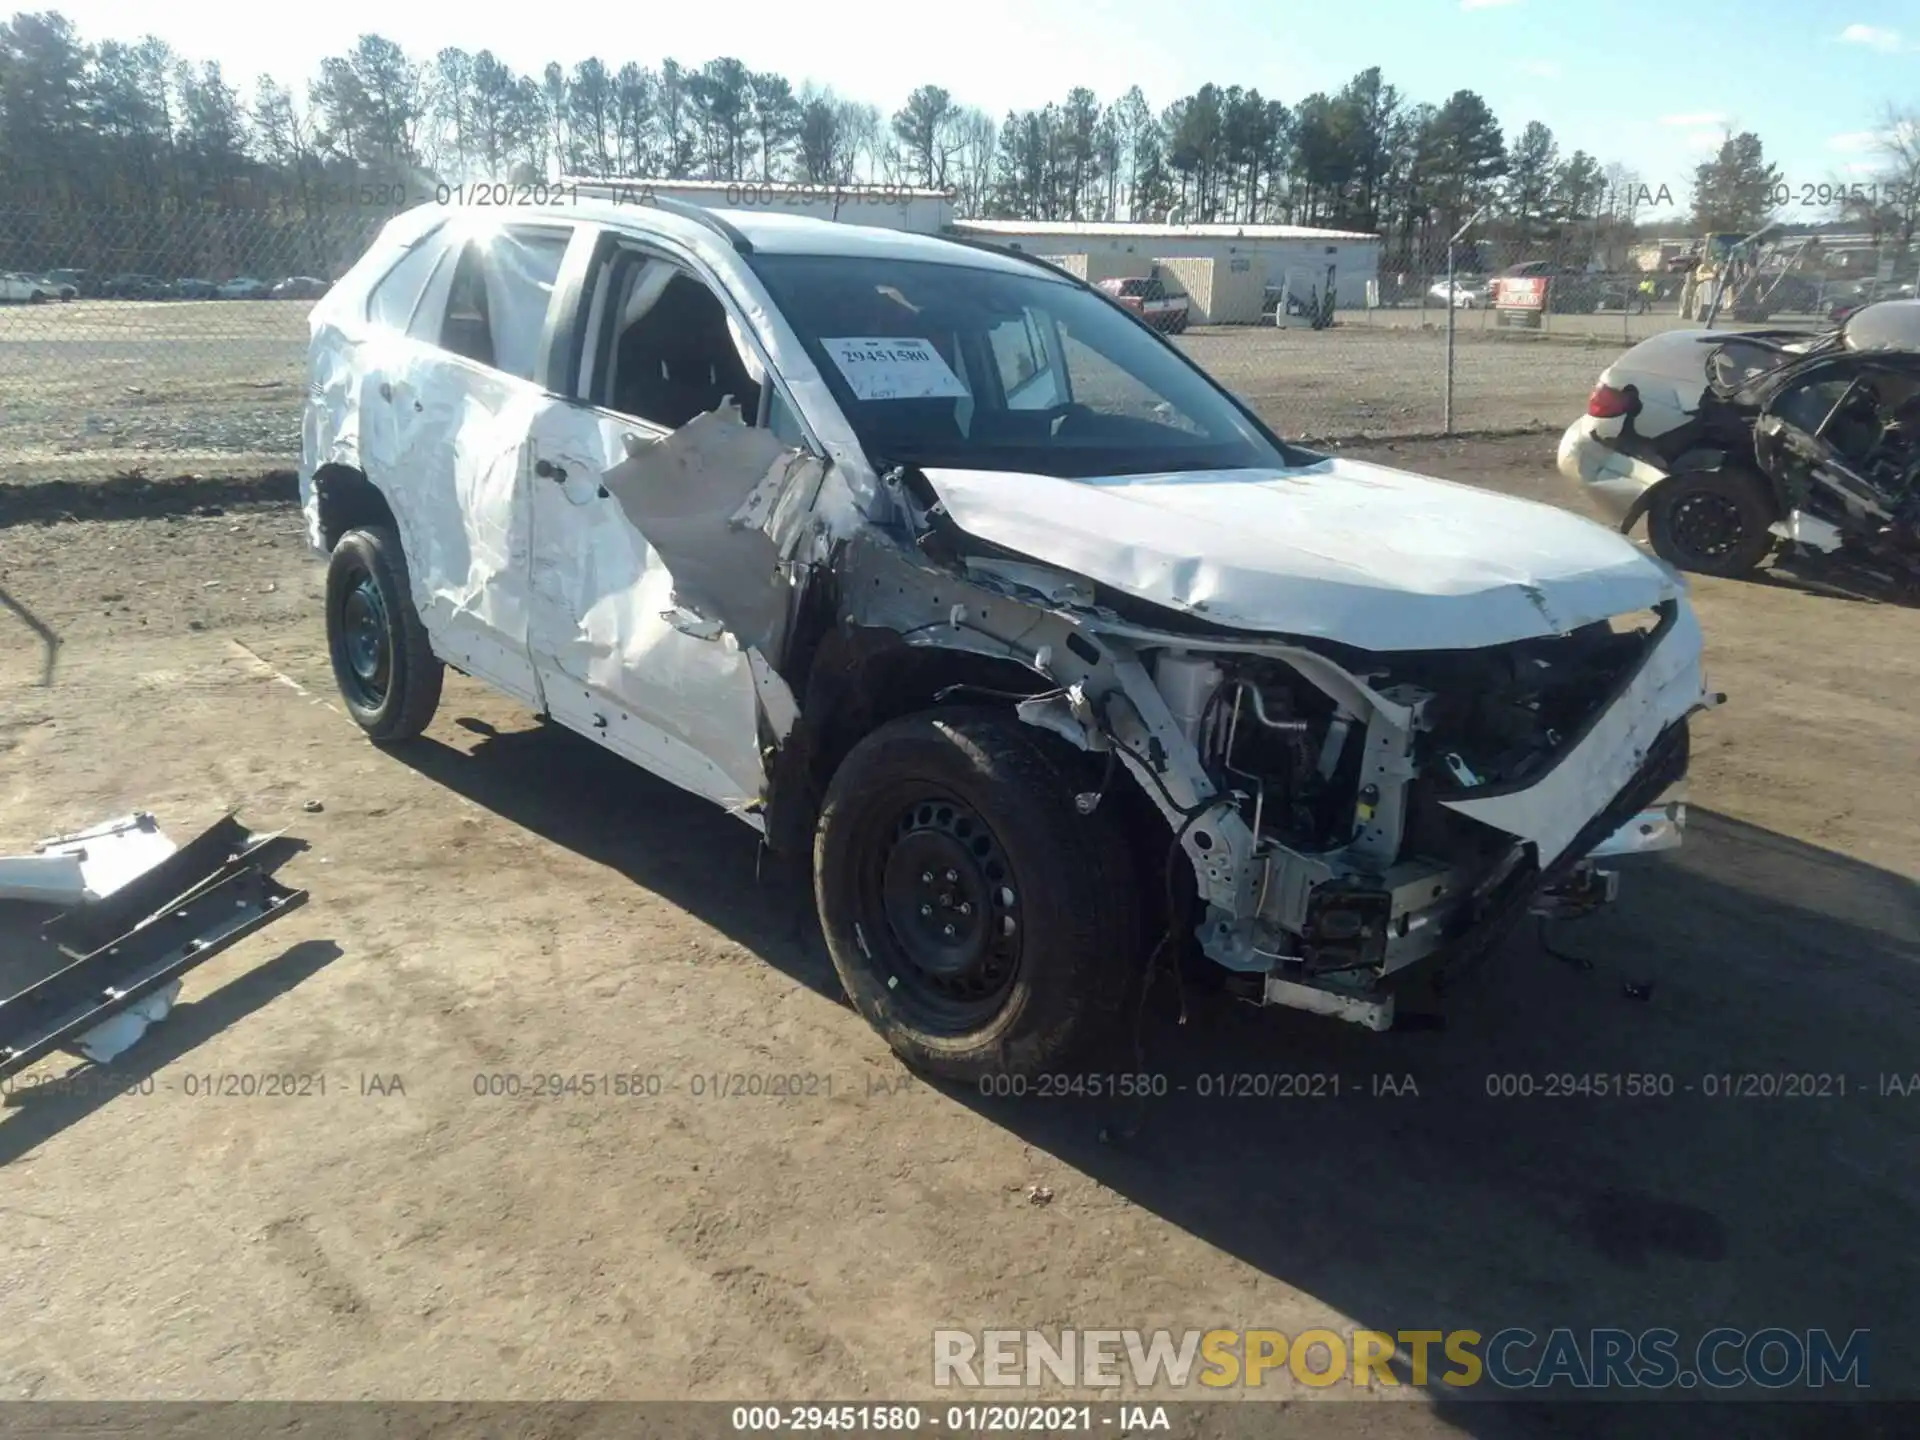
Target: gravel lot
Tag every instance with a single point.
(101, 387)
(104, 387)
(501, 898)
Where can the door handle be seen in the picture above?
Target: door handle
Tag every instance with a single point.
(547, 470)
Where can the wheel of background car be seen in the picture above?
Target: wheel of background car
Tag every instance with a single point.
(977, 920)
(1712, 522)
(383, 663)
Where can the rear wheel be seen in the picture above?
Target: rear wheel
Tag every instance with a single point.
(977, 920)
(383, 663)
(1712, 522)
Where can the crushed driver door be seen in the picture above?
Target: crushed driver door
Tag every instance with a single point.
(657, 593)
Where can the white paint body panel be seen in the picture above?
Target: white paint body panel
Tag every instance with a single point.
(1669, 685)
(86, 865)
(611, 664)
(1371, 557)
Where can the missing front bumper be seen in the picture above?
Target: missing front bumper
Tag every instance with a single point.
(1646, 816)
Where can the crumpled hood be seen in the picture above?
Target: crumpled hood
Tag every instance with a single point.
(1369, 556)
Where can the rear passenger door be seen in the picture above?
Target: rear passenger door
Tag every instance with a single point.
(457, 404)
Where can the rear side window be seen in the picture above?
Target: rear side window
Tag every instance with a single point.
(521, 269)
(394, 299)
(466, 329)
(496, 299)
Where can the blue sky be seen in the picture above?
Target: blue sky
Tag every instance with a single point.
(1651, 83)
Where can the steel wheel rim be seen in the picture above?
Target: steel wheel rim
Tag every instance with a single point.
(942, 911)
(1707, 524)
(365, 644)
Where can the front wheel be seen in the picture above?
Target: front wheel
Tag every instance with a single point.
(383, 662)
(1713, 522)
(977, 920)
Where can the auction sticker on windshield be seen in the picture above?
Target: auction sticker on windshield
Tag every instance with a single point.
(902, 368)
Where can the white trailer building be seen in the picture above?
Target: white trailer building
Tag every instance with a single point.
(1224, 269)
(891, 207)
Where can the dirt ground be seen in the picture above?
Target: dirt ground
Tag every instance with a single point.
(501, 899)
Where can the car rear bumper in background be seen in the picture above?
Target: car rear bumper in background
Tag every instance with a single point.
(1612, 479)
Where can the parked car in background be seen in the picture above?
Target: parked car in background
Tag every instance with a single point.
(243, 288)
(62, 290)
(1570, 290)
(1146, 297)
(1467, 294)
(300, 287)
(137, 287)
(19, 289)
(189, 289)
(84, 282)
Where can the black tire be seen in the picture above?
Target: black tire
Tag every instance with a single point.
(387, 672)
(1040, 976)
(1712, 522)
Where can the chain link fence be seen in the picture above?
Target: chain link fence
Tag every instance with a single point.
(160, 343)
(164, 343)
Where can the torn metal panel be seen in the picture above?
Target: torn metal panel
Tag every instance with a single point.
(702, 496)
(1111, 698)
(1042, 582)
(1810, 531)
(776, 698)
(621, 658)
(1375, 558)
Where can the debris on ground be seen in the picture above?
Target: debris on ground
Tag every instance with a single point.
(1039, 1194)
(140, 913)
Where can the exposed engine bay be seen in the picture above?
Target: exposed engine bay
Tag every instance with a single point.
(1365, 869)
(1342, 814)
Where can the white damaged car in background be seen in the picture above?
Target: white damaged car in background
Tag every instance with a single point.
(932, 559)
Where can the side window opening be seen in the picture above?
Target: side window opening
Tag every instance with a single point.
(394, 299)
(496, 303)
(673, 356)
(467, 328)
(521, 268)
(1027, 381)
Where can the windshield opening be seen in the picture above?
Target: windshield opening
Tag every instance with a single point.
(974, 368)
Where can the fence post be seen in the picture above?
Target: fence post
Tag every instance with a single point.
(1446, 427)
(1453, 306)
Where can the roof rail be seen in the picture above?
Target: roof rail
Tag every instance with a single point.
(641, 192)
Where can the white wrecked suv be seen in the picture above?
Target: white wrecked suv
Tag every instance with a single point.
(932, 557)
